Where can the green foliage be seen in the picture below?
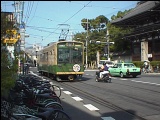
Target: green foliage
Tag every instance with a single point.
(152, 63)
(8, 73)
(155, 64)
(98, 31)
(8, 69)
(138, 63)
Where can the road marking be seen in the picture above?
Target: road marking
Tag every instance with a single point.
(77, 98)
(124, 79)
(67, 92)
(145, 82)
(91, 107)
(155, 83)
(107, 118)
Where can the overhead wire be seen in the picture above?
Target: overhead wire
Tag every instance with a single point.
(29, 10)
(26, 15)
(69, 18)
(34, 12)
(63, 22)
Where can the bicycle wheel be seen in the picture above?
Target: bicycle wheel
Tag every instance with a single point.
(56, 89)
(54, 98)
(54, 105)
(60, 115)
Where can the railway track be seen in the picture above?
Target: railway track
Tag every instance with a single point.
(99, 100)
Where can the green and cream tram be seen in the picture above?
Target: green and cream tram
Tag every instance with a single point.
(62, 60)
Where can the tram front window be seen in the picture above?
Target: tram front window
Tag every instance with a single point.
(63, 55)
(76, 56)
(70, 55)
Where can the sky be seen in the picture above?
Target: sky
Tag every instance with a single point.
(45, 20)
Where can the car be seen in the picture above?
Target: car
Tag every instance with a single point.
(125, 70)
(108, 63)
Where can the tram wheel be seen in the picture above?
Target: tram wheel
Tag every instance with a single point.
(71, 77)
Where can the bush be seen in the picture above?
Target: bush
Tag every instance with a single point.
(8, 73)
(152, 63)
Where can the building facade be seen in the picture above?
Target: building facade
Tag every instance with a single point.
(144, 19)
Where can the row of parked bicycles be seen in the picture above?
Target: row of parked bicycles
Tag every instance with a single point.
(33, 98)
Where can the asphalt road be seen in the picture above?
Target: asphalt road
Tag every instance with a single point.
(123, 99)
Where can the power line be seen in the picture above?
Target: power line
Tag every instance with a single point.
(34, 13)
(77, 12)
(70, 17)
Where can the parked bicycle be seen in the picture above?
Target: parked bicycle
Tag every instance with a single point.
(33, 98)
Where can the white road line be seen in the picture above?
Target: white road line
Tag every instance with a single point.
(91, 107)
(124, 79)
(67, 92)
(107, 118)
(154, 83)
(77, 98)
(145, 82)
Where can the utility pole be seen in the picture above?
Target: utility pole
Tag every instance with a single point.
(86, 44)
(19, 15)
(108, 43)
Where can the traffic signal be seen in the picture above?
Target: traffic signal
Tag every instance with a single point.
(89, 26)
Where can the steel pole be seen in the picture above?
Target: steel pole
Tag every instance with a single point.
(108, 43)
(87, 46)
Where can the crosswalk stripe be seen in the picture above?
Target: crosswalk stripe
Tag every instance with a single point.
(91, 107)
(67, 92)
(77, 98)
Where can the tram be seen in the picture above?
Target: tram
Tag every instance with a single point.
(62, 60)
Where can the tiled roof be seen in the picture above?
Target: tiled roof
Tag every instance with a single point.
(146, 7)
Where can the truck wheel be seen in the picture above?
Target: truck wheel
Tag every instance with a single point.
(71, 77)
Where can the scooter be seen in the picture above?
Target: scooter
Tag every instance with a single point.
(105, 78)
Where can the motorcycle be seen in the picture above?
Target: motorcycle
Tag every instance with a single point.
(105, 78)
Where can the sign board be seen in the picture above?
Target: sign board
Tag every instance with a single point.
(13, 41)
(149, 55)
(11, 32)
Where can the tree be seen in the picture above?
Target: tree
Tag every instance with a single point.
(97, 32)
(117, 34)
(8, 69)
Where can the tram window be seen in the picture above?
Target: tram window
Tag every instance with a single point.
(63, 55)
(77, 55)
